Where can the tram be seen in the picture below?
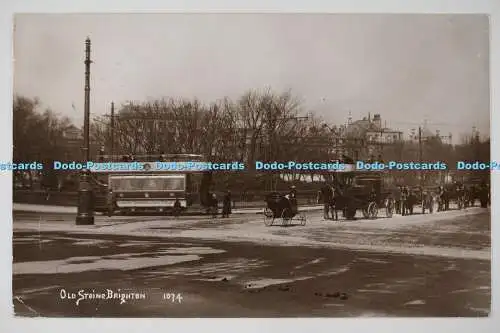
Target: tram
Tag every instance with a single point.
(147, 185)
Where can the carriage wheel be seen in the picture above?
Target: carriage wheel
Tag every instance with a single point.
(373, 210)
(284, 219)
(389, 207)
(268, 217)
(302, 219)
(366, 212)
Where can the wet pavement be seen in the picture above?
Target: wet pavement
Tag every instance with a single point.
(432, 265)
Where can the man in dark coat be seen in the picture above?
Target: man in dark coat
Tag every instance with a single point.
(226, 204)
(214, 204)
(410, 201)
(397, 196)
(327, 196)
(177, 207)
(484, 196)
(292, 198)
(441, 196)
(404, 199)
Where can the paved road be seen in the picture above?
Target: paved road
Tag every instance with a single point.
(432, 265)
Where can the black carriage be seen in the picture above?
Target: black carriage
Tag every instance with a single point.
(283, 208)
(365, 191)
(455, 193)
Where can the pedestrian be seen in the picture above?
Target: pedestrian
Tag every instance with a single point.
(484, 196)
(214, 205)
(410, 201)
(319, 197)
(326, 195)
(292, 197)
(441, 198)
(226, 204)
(333, 204)
(446, 199)
(404, 197)
(177, 207)
(111, 202)
(397, 199)
(488, 195)
(429, 201)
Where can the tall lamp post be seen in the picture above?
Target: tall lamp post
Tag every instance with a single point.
(85, 214)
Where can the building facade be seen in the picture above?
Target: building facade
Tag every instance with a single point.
(368, 138)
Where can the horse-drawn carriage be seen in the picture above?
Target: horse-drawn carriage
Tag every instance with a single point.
(283, 208)
(365, 191)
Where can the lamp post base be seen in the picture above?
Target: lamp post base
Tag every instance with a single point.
(85, 214)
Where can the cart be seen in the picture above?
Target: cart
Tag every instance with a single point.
(282, 208)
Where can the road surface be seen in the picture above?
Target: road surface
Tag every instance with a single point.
(432, 265)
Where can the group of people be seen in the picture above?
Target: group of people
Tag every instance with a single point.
(465, 196)
(406, 198)
(213, 204)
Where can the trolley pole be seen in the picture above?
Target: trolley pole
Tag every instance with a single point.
(85, 214)
(112, 128)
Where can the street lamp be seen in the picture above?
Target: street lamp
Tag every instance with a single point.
(85, 214)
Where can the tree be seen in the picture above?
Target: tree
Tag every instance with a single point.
(37, 135)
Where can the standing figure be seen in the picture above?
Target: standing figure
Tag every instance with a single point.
(440, 196)
(333, 204)
(404, 199)
(424, 199)
(214, 205)
(473, 195)
(410, 201)
(226, 204)
(397, 199)
(446, 199)
(484, 196)
(110, 201)
(177, 207)
(292, 197)
(326, 195)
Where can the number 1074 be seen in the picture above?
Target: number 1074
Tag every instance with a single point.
(173, 297)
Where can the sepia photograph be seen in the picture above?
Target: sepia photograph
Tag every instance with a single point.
(189, 165)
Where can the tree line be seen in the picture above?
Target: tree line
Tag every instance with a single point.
(260, 125)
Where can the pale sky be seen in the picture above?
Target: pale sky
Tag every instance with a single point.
(406, 67)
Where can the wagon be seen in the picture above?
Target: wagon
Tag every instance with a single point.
(363, 191)
(283, 209)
